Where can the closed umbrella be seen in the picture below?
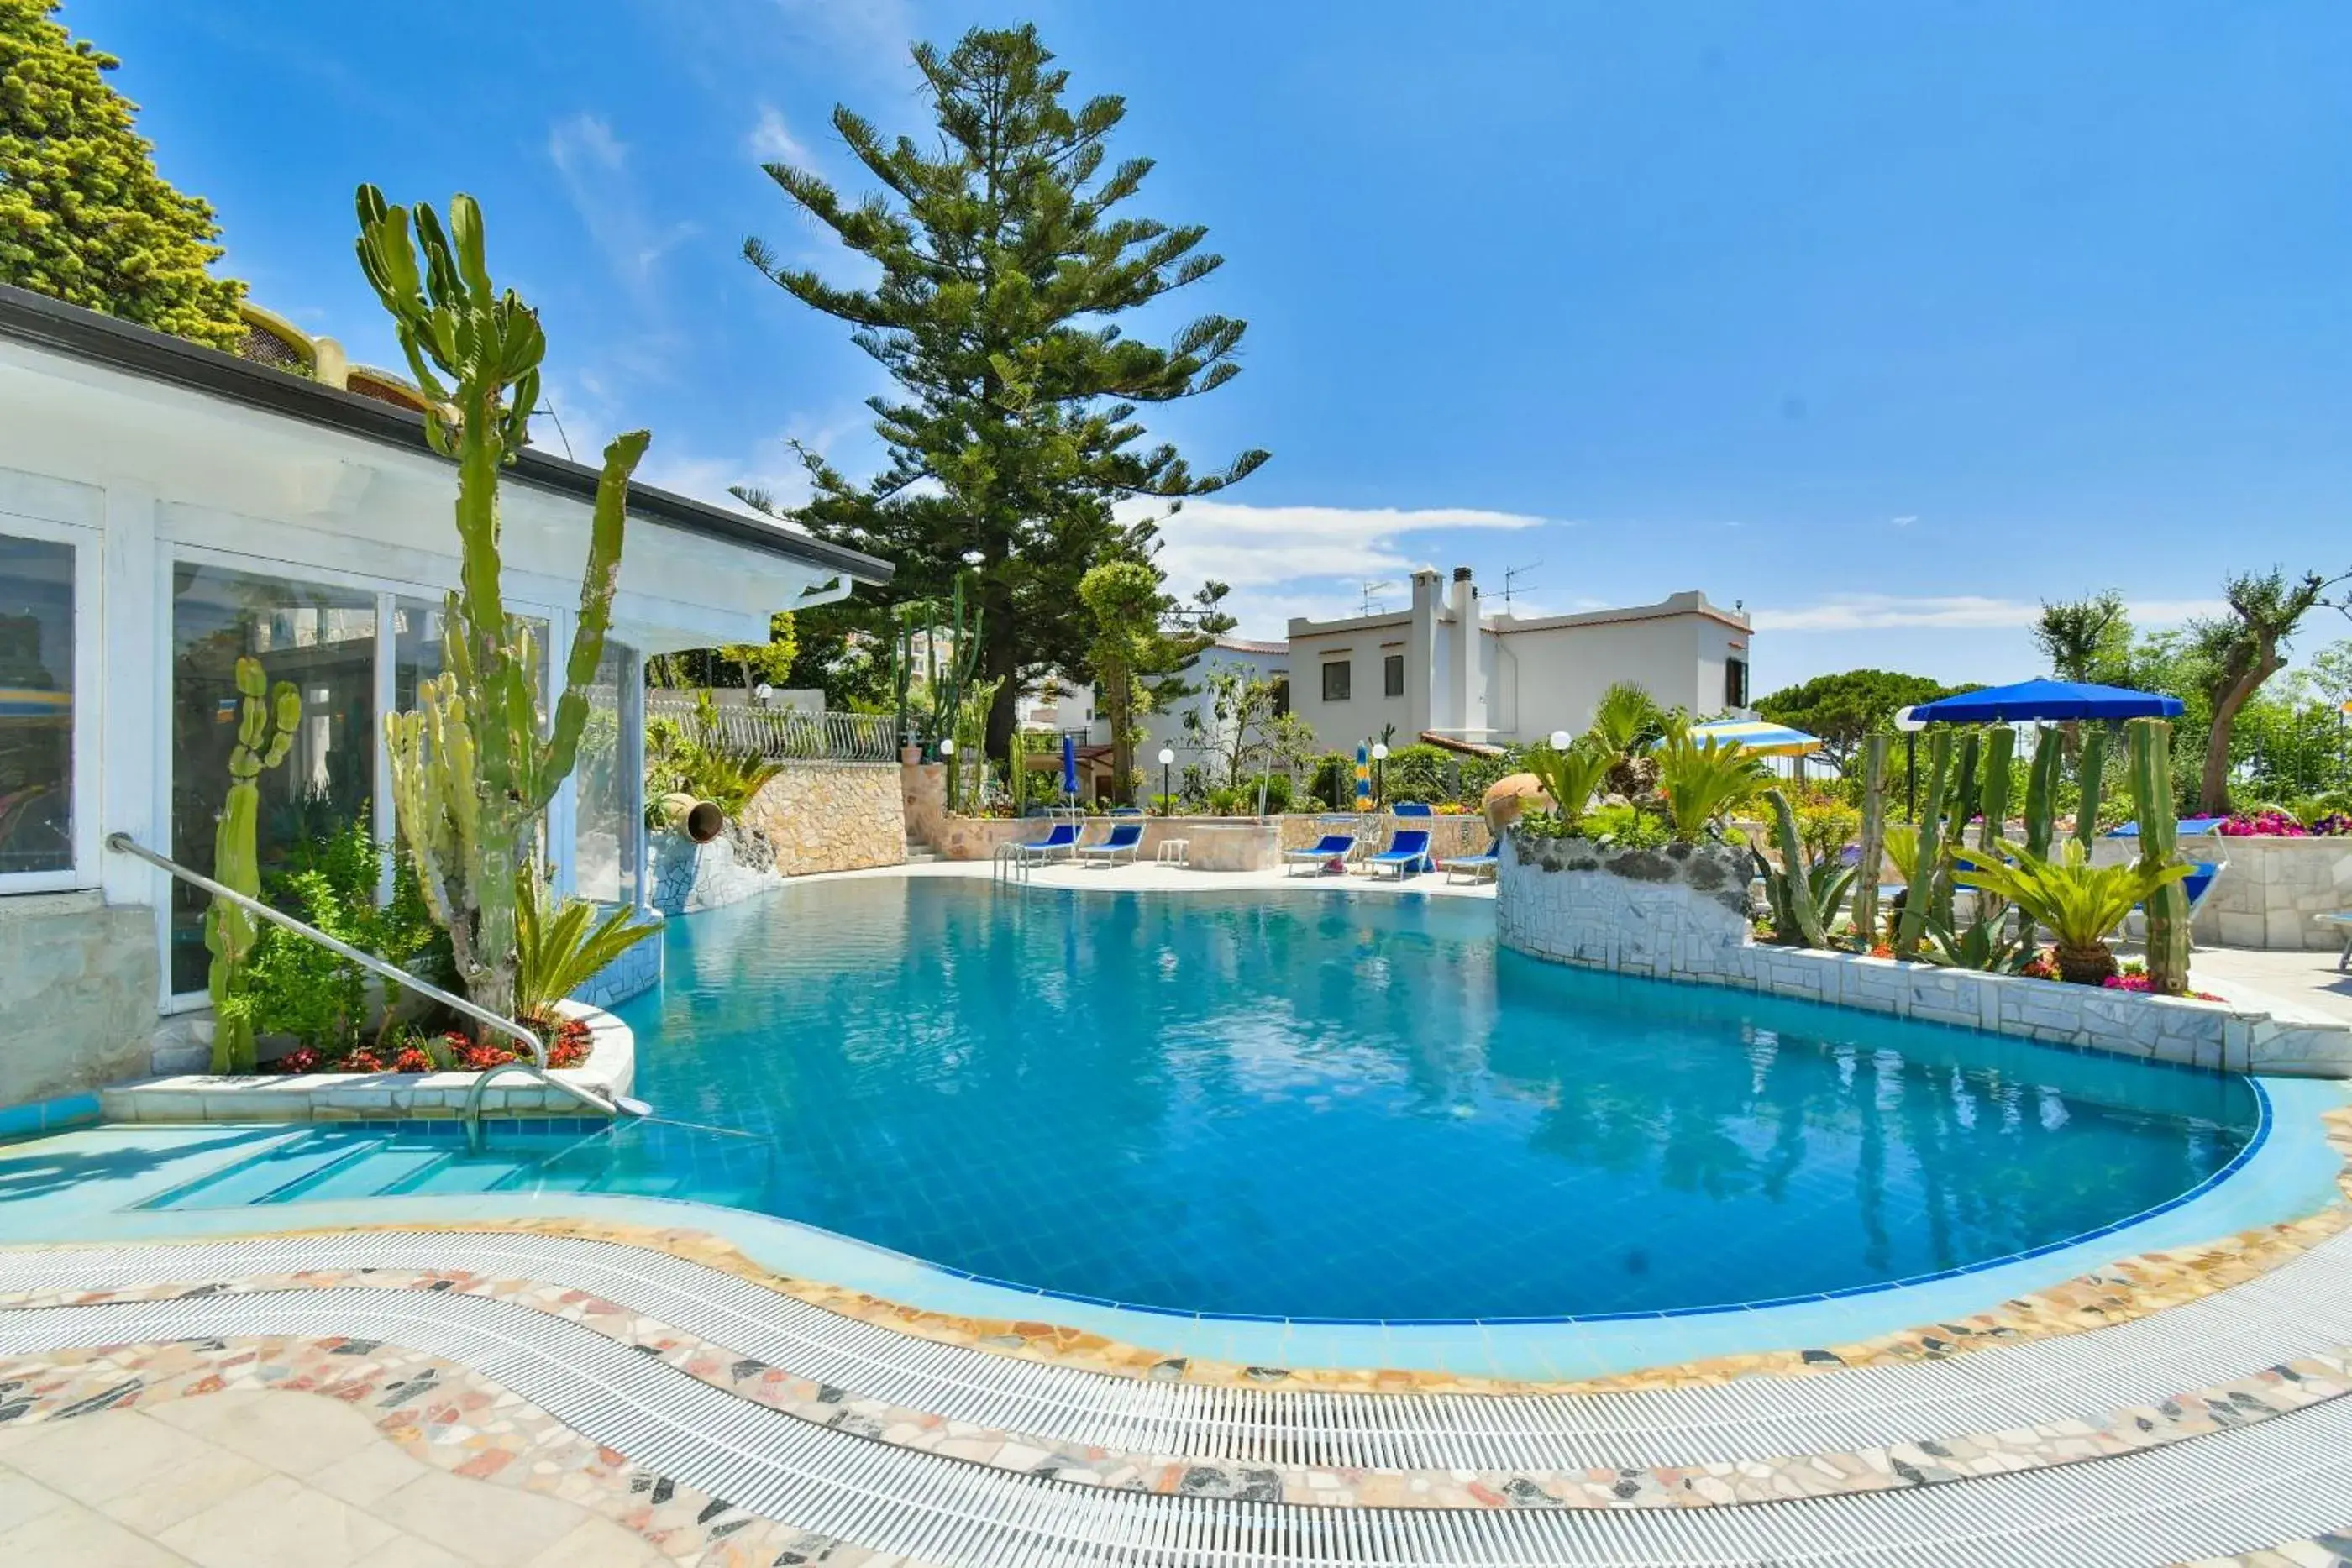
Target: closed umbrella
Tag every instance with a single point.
(1363, 778)
(1070, 766)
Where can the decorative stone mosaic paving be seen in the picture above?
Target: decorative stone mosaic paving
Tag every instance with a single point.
(2275, 1391)
(2117, 1292)
(2324, 1551)
(441, 1414)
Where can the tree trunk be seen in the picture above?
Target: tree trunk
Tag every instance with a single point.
(2213, 784)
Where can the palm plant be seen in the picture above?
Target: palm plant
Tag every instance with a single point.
(1626, 720)
(728, 779)
(562, 946)
(1703, 779)
(1570, 777)
(2080, 903)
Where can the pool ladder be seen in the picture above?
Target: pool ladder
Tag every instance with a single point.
(617, 1107)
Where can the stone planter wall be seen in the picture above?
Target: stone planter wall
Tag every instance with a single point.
(811, 816)
(79, 981)
(1557, 900)
(355, 1096)
(2269, 895)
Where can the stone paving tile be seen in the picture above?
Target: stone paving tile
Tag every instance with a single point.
(1928, 1461)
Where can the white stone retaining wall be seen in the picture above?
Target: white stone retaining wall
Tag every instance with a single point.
(2270, 892)
(1670, 930)
(77, 987)
(811, 816)
(366, 1096)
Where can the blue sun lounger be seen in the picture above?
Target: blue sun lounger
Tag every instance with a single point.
(1063, 840)
(1329, 849)
(1485, 862)
(1126, 838)
(1408, 852)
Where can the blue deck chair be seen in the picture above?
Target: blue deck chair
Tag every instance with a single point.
(1062, 840)
(1485, 862)
(2198, 884)
(1330, 848)
(1408, 852)
(1410, 809)
(1126, 838)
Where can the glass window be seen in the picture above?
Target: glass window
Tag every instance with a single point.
(605, 816)
(36, 692)
(1735, 683)
(1281, 695)
(1392, 675)
(1335, 680)
(321, 639)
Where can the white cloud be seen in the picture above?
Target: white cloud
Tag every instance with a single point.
(772, 141)
(1879, 612)
(872, 34)
(594, 165)
(1311, 561)
(1904, 521)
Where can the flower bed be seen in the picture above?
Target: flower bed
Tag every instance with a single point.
(341, 1092)
(447, 1052)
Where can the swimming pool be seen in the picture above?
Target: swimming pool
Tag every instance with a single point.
(1320, 1107)
(1317, 1106)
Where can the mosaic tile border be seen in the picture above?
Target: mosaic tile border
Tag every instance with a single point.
(441, 1414)
(2277, 1390)
(2128, 1289)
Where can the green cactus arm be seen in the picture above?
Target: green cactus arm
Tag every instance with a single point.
(2042, 792)
(600, 579)
(1873, 838)
(2094, 779)
(2148, 753)
(1917, 897)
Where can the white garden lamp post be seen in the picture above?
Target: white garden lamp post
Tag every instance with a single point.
(1380, 773)
(1167, 796)
(1559, 739)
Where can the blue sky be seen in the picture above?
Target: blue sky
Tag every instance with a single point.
(1883, 320)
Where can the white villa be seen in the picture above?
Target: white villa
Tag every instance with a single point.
(165, 508)
(1447, 669)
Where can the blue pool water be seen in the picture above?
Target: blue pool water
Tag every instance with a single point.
(1324, 1107)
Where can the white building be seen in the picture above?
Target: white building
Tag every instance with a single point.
(1448, 669)
(165, 508)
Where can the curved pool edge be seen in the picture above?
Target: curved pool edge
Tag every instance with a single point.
(2282, 1197)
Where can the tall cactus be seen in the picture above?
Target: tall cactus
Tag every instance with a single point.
(2148, 750)
(1873, 838)
(2042, 792)
(265, 718)
(2094, 779)
(1790, 886)
(1917, 897)
(453, 324)
(1992, 800)
(952, 679)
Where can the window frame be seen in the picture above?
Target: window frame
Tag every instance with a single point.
(171, 554)
(84, 801)
(1393, 674)
(1347, 680)
(1734, 691)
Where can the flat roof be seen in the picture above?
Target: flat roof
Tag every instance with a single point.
(96, 339)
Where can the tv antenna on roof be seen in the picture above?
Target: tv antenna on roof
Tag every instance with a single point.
(1511, 575)
(1372, 601)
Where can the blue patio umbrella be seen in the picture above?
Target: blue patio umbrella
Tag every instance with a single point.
(2047, 701)
(1070, 765)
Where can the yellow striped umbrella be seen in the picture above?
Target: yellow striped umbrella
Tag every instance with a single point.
(1760, 736)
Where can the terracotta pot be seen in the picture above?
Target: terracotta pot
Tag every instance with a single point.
(697, 821)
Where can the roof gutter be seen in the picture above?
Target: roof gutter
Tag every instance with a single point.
(85, 335)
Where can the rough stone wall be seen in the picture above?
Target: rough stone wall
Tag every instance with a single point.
(811, 816)
(923, 790)
(2269, 893)
(1558, 899)
(80, 980)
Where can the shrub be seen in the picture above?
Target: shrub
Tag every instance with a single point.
(301, 988)
(1278, 793)
(1418, 772)
(1223, 803)
(1333, 782)
(1704, 781)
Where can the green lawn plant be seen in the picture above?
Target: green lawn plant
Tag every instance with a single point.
(1702, 780)
(2148, 744)
(472, 769)
(266, 720)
